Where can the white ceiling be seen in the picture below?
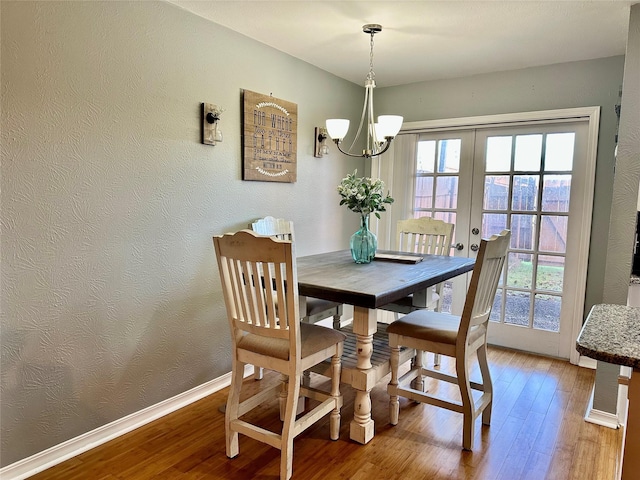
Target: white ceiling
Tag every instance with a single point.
(427, 40)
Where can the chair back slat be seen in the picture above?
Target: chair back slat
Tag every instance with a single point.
(255, 272)
(269, 310)
(484, 282)
(424, 235)
(280, 297)
(257, 302)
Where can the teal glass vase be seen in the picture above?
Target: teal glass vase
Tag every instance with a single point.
(363, 243)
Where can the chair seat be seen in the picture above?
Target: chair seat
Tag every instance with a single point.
(432, 326)
(317, 305)
(313, 339)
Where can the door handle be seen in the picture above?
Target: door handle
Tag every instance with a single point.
(458, 246)
(474, 247)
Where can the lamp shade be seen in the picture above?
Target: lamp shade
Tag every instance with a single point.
(389, 125)
(337, 128)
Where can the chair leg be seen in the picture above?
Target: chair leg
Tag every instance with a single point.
(286, 446)
(486, 383)
(417, 363)
(306, 378)
(231, 410)
(394, 405)
(282, 396)
(336, 322)
(468, 423)
(436, 359)
(258, 373)
(334, 419)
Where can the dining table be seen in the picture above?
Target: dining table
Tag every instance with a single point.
(391, 277)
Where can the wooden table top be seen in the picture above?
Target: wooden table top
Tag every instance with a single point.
(335, 276)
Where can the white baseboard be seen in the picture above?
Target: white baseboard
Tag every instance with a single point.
(587, 362)
(59, 453)
(623, 404)
(600, 417)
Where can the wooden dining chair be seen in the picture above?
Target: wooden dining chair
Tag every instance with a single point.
(317, 308)
(423, 235)
(255, 272)
(454, 336)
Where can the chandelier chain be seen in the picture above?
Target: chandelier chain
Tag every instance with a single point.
(371, 75)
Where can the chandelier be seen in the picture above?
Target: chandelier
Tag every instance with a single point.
(378, 134)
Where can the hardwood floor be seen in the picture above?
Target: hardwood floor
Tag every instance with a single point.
(537, 432)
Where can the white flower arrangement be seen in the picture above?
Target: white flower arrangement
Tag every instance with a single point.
(363, 195)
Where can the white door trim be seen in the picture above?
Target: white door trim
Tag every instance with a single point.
(592, 114)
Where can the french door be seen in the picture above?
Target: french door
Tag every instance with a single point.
(535, 180)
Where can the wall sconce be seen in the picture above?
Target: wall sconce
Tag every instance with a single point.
(211, 132)
(320, 148)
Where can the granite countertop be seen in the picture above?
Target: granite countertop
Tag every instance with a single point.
(612, 334)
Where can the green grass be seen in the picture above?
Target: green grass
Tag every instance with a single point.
(549, 277)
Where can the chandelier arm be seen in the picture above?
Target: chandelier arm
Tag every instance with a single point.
(367, 94)
(371, 131)
(348, 153)
(387, 141)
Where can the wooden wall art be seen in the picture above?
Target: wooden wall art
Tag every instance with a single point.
(270, 130)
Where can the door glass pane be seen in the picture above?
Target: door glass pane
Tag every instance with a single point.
(498, 156)
(424, 193)
(528, 153)
(555, 193)
(546, 312)
(553, 233)
(493, 223)
(449, 156)
(496, 310)
(517, 308)
(559, 151)
(446, 192)
(496, 192)
(447, 292)
(525, 192)
(426, 156)
(520, 270)
(449, 217)
(550, 273)
(523, 232)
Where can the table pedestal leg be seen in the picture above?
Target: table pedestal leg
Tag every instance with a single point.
(362, 428)
(364, 326)
(364, 349)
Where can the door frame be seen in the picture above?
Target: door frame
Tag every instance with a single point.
(382, 167)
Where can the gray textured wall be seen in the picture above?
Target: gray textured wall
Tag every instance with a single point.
(623, 206)
(568, 85)
(110, 296)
